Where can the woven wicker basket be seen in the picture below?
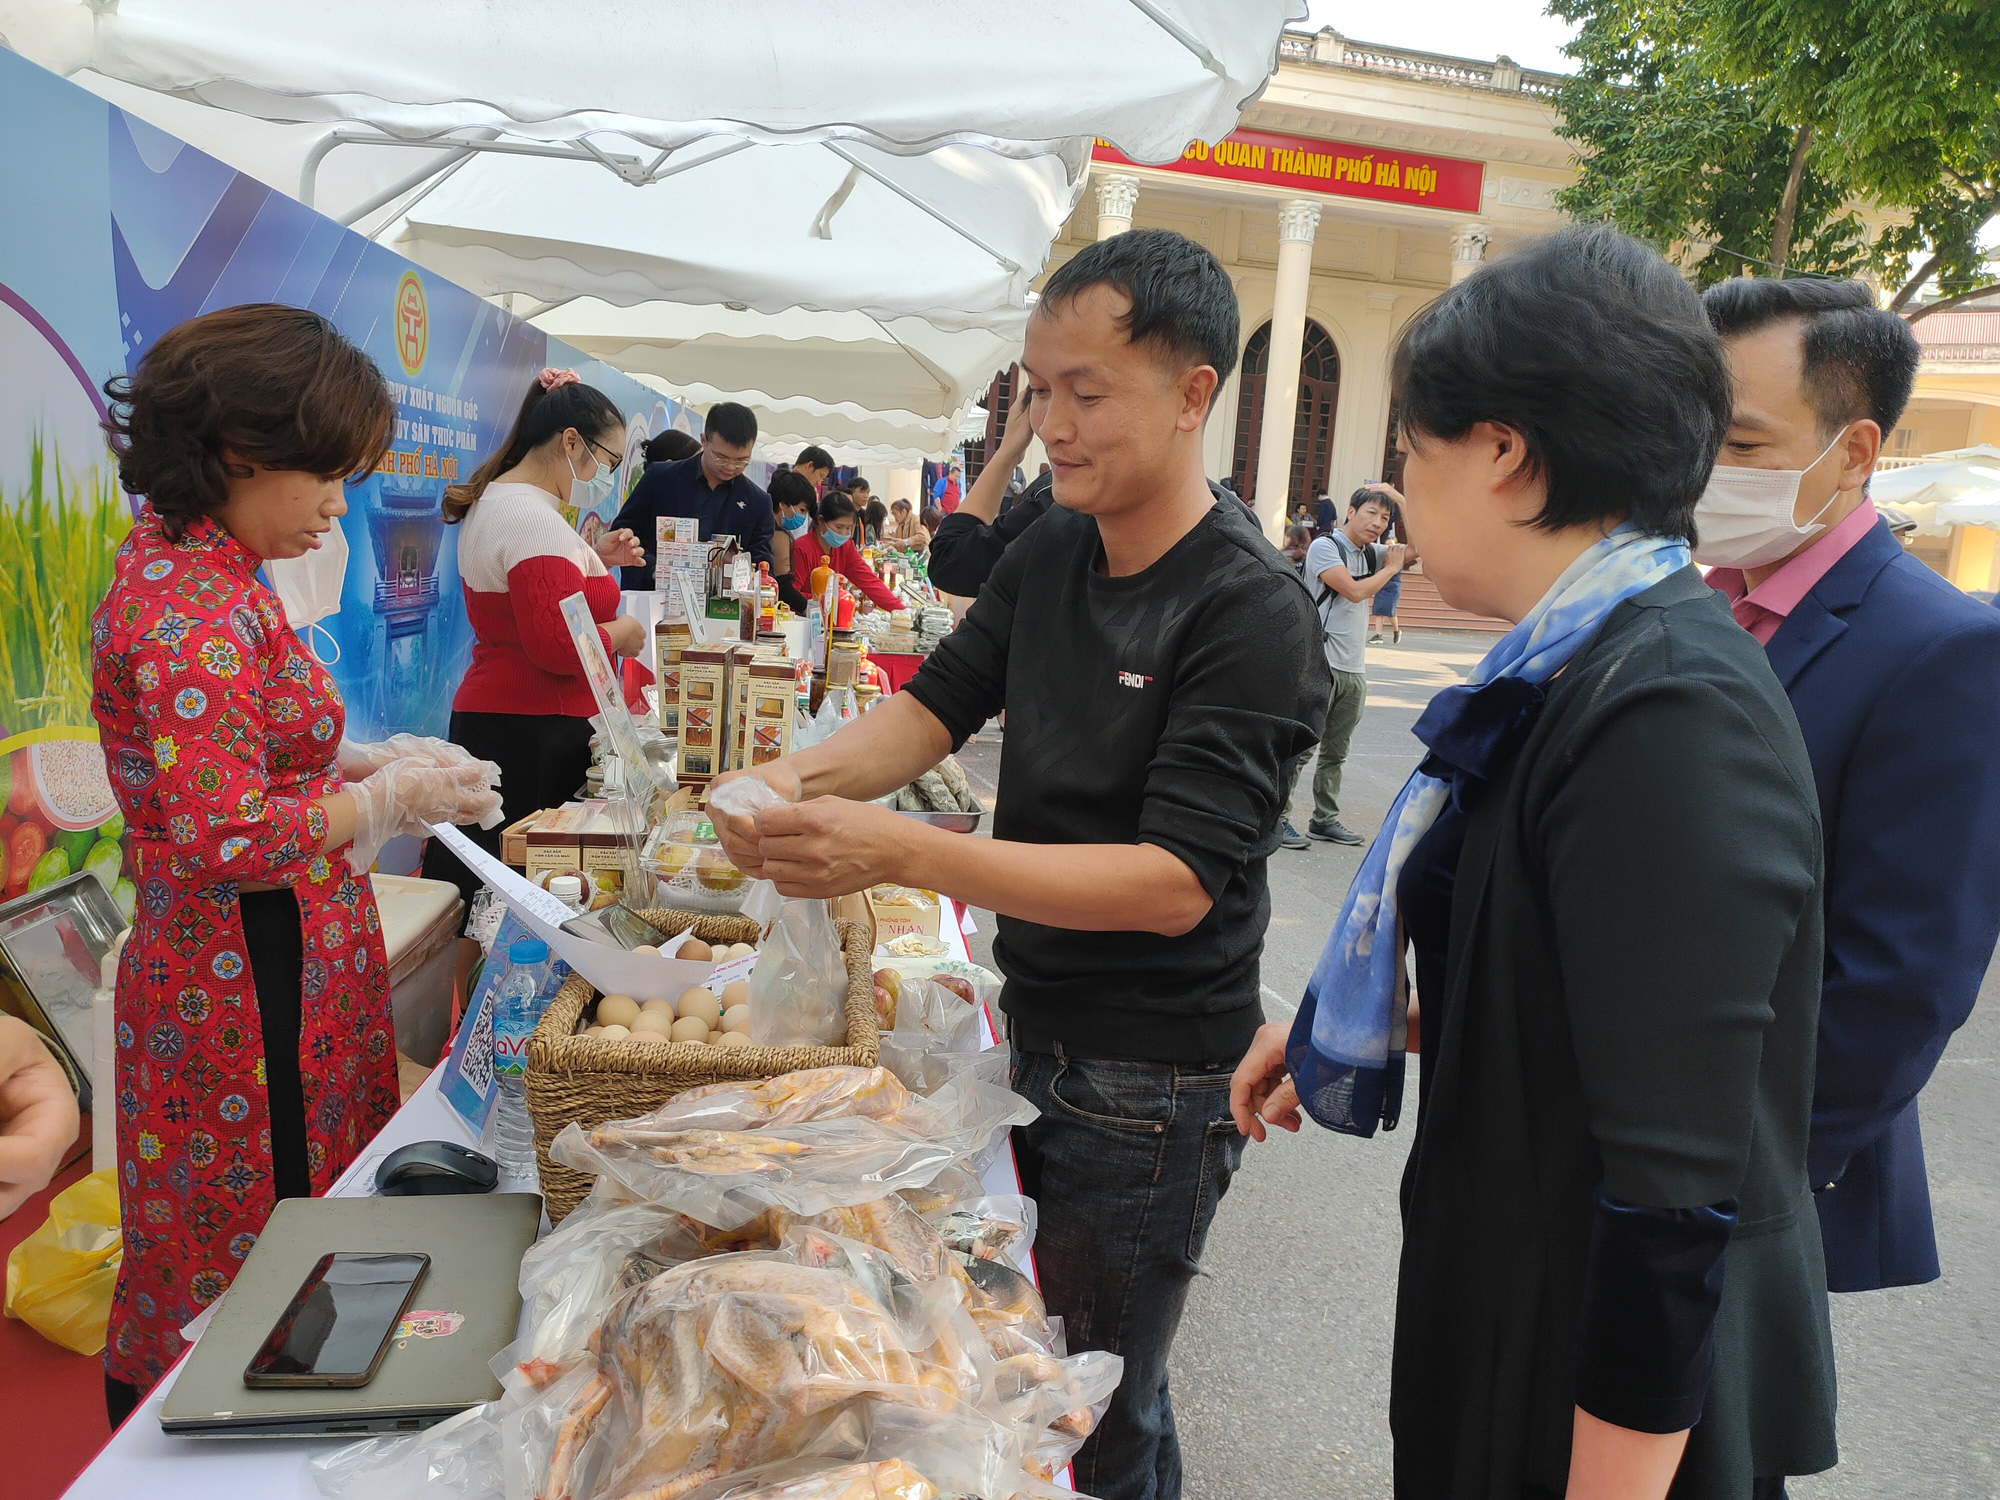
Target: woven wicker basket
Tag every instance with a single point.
(577, 1078)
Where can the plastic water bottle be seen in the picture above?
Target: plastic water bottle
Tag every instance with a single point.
(517, 1006)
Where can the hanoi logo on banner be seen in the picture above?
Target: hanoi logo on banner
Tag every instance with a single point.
(413, 323)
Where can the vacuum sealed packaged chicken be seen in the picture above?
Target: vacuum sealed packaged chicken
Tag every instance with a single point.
(726, 1177)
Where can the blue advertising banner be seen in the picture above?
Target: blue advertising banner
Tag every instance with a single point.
(119, 231)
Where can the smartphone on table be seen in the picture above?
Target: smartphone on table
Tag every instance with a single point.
(338, 1324)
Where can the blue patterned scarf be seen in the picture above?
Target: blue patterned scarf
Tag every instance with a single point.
(1345, 1052)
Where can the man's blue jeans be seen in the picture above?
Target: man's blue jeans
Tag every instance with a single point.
(1127, 1163)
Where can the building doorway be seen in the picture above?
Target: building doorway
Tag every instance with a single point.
(1312, 431)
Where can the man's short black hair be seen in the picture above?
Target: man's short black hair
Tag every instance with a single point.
(1859, 359)
(1597, 353)
(1367, 496)
(1182, 302)
(858, 486)
(731, 421)
(815, 456)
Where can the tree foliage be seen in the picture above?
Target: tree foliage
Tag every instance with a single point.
(1689, 113)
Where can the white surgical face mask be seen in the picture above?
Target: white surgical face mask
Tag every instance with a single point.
(309, 588)
(1744, 518)
(588, 494)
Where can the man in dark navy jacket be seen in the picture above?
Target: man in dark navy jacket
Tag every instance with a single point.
(1893, 674)
(711, 486)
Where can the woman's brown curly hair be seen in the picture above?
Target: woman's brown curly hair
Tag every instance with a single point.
(265, 383)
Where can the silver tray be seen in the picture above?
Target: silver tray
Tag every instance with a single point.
(951, 822)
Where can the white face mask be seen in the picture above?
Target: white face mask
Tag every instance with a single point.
(309, 588)
(1744, 518)
(588, 494)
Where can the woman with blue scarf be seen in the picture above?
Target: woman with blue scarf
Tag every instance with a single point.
(1608, 870)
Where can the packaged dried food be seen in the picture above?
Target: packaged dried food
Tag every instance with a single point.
(727, 1177)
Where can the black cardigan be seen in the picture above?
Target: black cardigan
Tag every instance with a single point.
(1633, 981)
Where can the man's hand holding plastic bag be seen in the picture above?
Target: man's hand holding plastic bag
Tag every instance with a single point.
(826, 847)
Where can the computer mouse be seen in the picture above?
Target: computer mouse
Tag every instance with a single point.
(426, 1167)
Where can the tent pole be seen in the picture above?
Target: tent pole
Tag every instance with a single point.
(1180, 34)
(915, 202)
(444, 162)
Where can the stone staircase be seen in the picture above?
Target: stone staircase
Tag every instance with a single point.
(1420, 608)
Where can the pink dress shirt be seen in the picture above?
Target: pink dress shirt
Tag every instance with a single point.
(1763, 609)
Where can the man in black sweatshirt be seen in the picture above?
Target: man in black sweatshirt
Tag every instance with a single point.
(1155, 656)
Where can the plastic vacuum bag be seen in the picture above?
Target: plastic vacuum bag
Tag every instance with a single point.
(932, 1024)
(996, 1227)
(495, 1451)
(798, 991)
(787, 1099)
(734, 1361)
(726, 1177)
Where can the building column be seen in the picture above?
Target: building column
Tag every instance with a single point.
(1297, 221)
(1468, 250)
(1117, 196)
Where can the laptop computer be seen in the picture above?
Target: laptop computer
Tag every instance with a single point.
(464, 1312)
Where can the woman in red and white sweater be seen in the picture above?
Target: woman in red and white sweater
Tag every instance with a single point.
(524, 702)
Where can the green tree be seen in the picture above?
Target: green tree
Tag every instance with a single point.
(1741, 133)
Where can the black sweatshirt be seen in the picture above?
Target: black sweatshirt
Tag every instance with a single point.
(1159, 708)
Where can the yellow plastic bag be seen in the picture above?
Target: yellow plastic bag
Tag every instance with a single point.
(59, 1279)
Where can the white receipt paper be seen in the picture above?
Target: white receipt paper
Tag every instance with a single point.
(613, 970)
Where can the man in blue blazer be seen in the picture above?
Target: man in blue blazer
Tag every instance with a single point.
(1895, 677)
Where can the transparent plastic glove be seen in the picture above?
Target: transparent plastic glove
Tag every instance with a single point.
(406, 794)
(358, 760)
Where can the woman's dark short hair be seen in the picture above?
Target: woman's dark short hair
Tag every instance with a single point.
(1598, 353)
(789, 488)
(836, 505)
(272, 384)
(875, 514)
(1183, 303)
(671, 447)
(932, 518)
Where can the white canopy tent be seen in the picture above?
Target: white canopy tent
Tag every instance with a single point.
(954, 236)
(1958, 488)
(901, 75)
(870, 391)
(851, 435)
(901, 159)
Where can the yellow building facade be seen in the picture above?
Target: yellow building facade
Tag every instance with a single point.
(1364, 182)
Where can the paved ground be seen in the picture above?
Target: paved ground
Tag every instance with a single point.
(1281, 1372)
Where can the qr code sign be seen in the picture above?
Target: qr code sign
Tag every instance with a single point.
(477, 1063)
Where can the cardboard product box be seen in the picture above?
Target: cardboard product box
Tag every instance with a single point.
(669, 641)
(607, 853)
(773, 697)
(704, 705)
(741, 655)
(893, 920)
(514, 840)
(554, 843)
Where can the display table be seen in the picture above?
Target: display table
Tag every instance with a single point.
(140, 1460)
(899, 667)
